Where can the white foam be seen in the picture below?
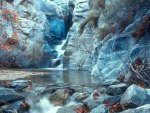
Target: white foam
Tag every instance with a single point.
(44, 106)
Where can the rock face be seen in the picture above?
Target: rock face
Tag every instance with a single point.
(79, 46)
(29, 36)
(113, 57)
(110, 48)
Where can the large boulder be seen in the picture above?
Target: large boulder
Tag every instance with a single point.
(13, 108)
(19, 85)
(59, 97)
(141, 109)
(134, 96)
(94, 102)
(9, 96)
(116, 89)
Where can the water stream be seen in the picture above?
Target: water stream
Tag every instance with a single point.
(58, 61)
(41, 104)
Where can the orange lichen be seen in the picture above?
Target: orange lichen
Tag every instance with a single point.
(11, 41)
(6, 11)
(10, 15)
(81, 110)
(114, 107)
(6, 47)
(141, 29)
(141, 84)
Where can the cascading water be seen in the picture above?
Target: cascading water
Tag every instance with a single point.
(44, 106)
(58, 61)
(59, 20)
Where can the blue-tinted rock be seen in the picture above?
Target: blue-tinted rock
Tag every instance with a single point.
(116, 89)
(141, 109)
(93, 103)
(19, 85)
(68, 109)
(100, 109)
(110, 82)
(9, 96)
(134, 96)
(57, 28)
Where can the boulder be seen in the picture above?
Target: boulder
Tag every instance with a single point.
(51, 88)
(68, 109)
(13, 108)
(110, 82)
(93, 103)
(116, 89)
(19, 85)
(111, 99)
(9, 96)
(80, 96)
(100, 109)
(141, 109)
(134, 96)
(59, 97)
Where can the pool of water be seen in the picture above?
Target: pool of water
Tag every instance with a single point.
(71, 77)
(63, 76)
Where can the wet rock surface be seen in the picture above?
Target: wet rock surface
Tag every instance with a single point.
(142, 109)
(12, 101)
(116, 89)
(68, 109)
(9, 96)
(59, 97)
(134, 96)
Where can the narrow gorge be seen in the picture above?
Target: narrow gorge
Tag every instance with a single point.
(74, 56)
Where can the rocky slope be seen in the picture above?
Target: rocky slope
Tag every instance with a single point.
(106, 36)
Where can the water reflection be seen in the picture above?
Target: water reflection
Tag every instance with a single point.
(63, 76)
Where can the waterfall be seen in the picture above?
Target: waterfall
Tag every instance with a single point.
(59, 21)
(44, 106)
(58, 61)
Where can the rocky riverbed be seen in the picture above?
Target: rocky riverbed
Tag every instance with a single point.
(111, 96)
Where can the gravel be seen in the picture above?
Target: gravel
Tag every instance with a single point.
(17, 74)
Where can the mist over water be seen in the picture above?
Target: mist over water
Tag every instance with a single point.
(44, 106)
